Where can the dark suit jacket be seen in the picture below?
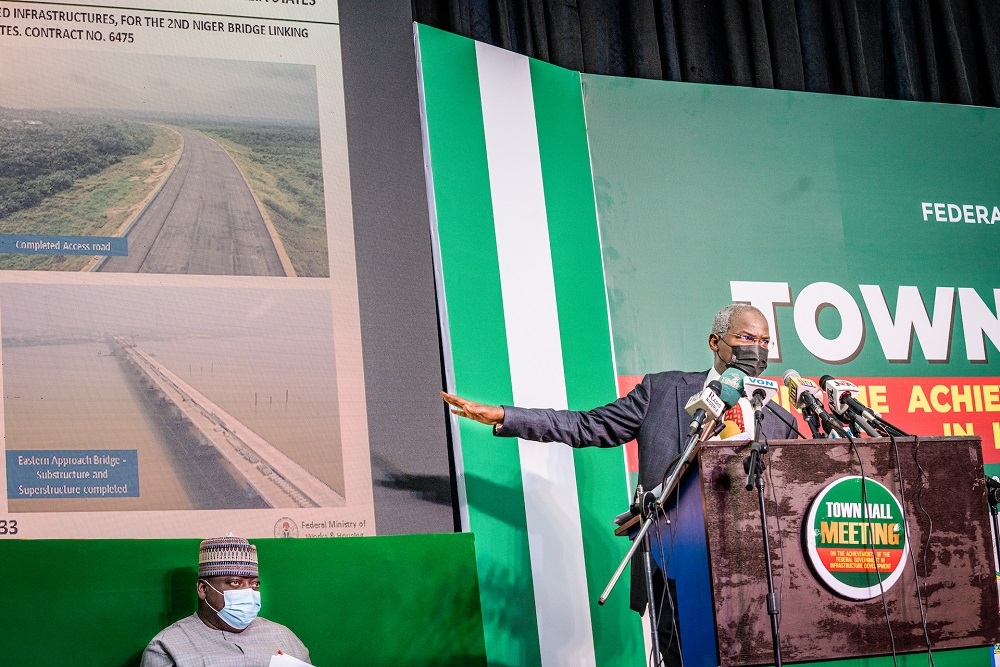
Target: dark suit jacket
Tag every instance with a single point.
(652, 414)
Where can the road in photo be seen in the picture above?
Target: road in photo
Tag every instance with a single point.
(204, 220)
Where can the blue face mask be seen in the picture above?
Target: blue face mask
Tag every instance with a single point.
(241, 607)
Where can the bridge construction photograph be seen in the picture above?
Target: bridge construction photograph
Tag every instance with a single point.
(227, 396)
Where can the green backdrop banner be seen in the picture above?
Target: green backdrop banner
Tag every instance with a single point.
(865, 230)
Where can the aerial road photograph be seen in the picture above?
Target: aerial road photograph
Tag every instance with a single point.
(133, 163)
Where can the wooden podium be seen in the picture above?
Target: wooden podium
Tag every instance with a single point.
(713, 548)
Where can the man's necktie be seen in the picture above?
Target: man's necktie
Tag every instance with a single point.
(735, 415)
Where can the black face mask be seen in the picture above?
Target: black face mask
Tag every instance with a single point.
(751, 359)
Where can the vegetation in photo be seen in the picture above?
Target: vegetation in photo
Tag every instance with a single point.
(285, 169)
(44, 153)
(74, 175)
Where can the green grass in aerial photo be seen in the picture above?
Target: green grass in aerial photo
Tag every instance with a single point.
(68, 174)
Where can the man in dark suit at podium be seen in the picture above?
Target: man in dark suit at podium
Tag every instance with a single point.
(653, 415)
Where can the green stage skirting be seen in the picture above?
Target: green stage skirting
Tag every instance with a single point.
(409, 600)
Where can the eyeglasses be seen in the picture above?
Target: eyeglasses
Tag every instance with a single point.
(747, 339)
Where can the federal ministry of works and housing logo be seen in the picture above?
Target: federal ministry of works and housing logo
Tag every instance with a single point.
(285, 527)
(856, 538)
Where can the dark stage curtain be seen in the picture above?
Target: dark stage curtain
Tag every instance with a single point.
(927, 50)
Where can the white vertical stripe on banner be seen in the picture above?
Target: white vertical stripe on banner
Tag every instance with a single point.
(552, 506)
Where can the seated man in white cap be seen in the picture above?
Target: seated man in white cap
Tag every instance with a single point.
(226, 629)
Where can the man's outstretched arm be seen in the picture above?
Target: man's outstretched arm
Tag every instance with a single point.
(491, 415)
(606, 426)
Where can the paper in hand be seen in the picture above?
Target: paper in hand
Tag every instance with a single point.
(284, 660)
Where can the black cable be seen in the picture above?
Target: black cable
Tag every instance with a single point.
(920, 506)
(755, 466)
(878, 574)
(758, 430)
(781, 543)
(659, 604)
(666, 595)
(921, 600)
(777, 510)
(658, 511)
(666, 582)
(890, 429)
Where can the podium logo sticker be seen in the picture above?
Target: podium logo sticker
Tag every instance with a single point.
(856, 542)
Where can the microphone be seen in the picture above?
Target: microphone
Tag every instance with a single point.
(705, 406)
(732, 386)
(808, 399)
(840, 395)
(759, 391)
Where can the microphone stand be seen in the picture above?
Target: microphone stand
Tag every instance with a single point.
(832, 427)
(889, 428)
(856, 418)
(868, 418)
(856, 422)
(754, 467)
(650, 513)
(864, 424)
(813, 422)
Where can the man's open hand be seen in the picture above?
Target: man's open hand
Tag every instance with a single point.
(480, 412)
